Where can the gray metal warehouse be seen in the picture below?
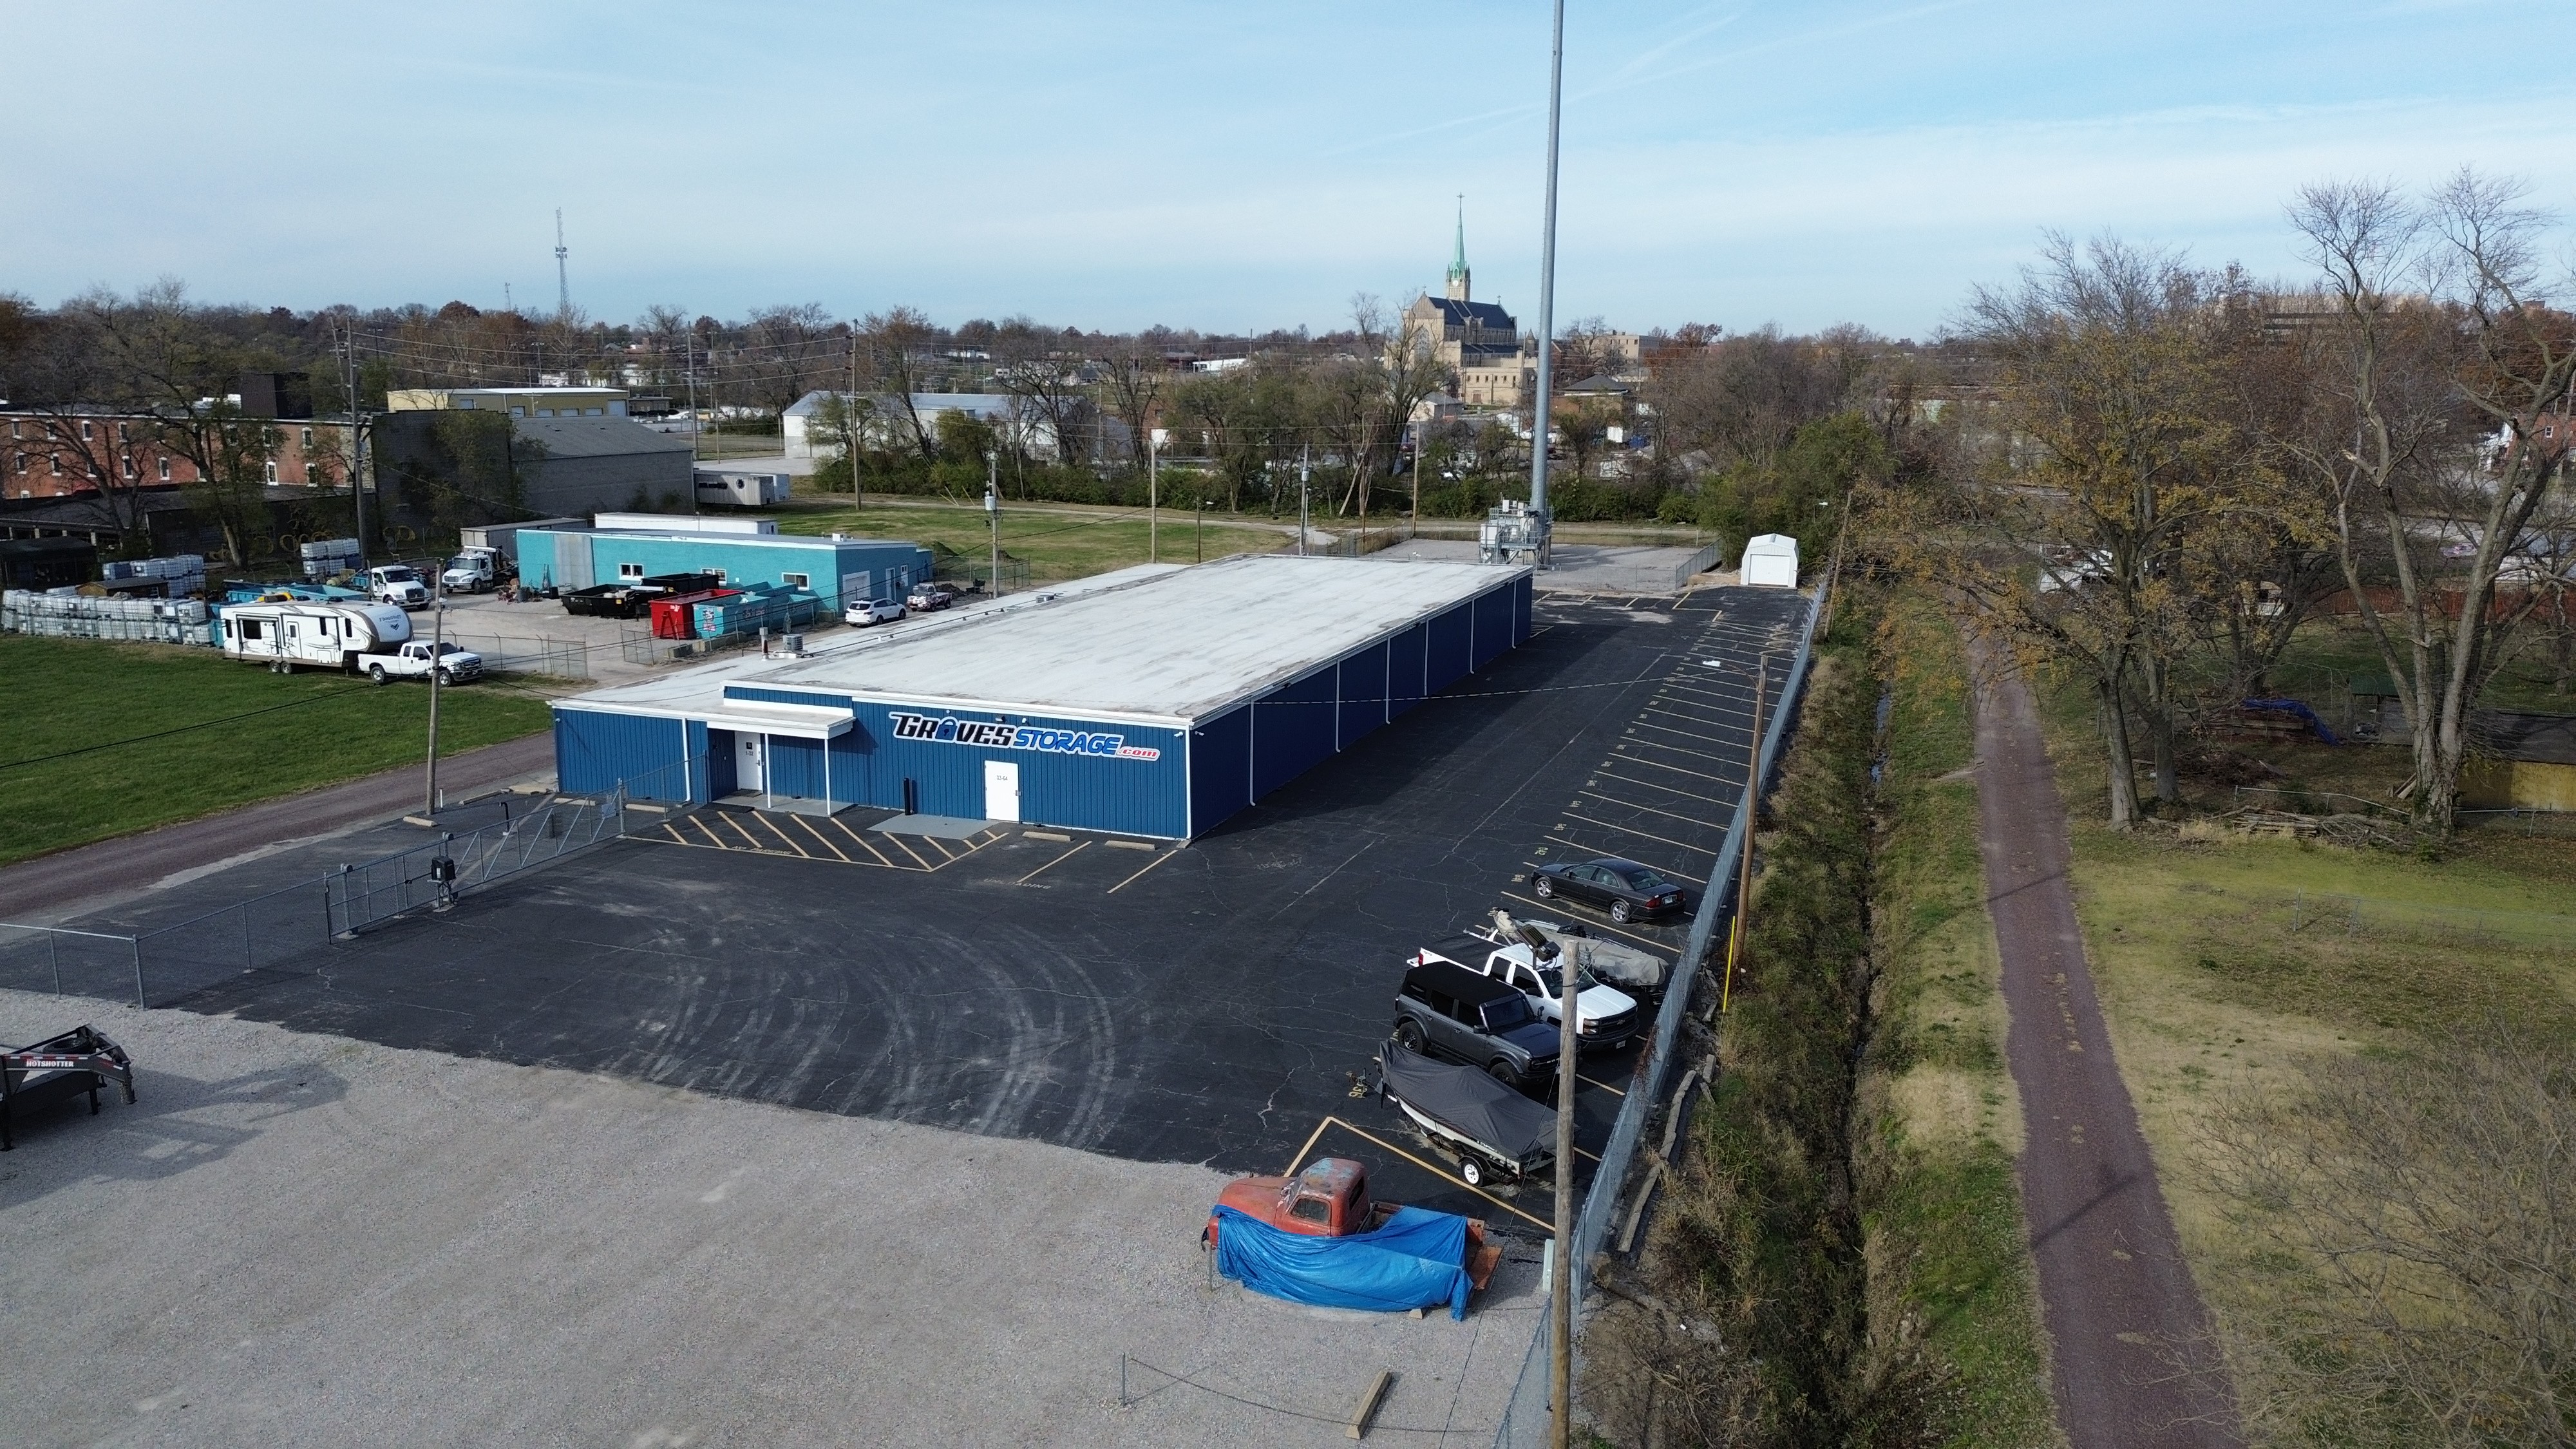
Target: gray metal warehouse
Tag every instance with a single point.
(1156, 701)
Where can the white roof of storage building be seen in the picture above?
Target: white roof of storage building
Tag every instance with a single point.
(1161, 644)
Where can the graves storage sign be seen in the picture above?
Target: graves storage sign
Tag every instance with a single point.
(994, 735)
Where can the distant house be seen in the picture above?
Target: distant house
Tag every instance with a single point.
(1010, 416)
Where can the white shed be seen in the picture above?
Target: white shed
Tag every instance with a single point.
(1771, 559)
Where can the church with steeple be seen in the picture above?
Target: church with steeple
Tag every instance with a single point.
(1479, 342)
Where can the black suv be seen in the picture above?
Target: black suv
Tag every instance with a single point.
(1447, 1009)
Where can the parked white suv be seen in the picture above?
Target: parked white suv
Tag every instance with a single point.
(872, 611)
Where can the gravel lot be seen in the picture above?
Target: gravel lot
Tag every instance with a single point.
(301, 1239)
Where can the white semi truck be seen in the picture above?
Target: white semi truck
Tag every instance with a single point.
(287, 635)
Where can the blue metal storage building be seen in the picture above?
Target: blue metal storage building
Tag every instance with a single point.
(1157, 701)
(839, 569)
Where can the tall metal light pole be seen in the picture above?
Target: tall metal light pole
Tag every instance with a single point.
(1153, 499)
(357, 483)
(1561, 1304)
(1547, 302)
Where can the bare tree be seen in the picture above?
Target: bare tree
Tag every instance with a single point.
(2117, 444)
(890, 347)
(1132, 378)
(2410, 381)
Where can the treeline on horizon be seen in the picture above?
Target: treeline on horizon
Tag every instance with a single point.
(1729, 434)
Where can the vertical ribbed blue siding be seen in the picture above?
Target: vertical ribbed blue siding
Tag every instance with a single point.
(1292, 730)
(1521, 590)
(796, 767)
(1493, 626)
(1452, 643)
(596, 751)
(1220, 768)
(1404, 669)
(1362, 687)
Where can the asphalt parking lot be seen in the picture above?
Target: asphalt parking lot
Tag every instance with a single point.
(1219, 1004)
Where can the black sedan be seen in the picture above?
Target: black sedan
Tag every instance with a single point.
(1627, 890)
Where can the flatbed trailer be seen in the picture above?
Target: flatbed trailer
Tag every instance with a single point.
(80, 1060)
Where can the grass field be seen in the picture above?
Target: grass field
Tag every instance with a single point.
(1058, 540)
(2234, 967)
(1944, 1119)
(65, 698)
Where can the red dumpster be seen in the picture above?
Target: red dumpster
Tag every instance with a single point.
(676, 616)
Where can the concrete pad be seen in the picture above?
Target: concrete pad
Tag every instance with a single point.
(944, 827)
(297, 1239)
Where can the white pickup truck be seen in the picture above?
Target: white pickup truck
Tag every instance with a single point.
(1604, 1016)
(412, 661)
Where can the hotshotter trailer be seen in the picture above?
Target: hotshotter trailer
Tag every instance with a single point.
(1156, 701)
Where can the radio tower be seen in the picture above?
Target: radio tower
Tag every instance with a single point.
(563, 278)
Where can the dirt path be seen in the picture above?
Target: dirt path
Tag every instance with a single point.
(50, 882)
(2130, 1361)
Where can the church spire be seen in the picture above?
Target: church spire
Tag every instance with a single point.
(1458, 259)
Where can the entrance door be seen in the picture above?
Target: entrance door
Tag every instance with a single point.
(1001, 790)
(751, 763)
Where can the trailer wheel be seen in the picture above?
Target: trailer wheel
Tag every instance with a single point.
(1471, 1172)
(376, 672)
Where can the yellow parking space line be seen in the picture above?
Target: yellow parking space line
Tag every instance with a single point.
(1605, 1086)
(1149, 865)
(863, 843)
(1644, 835)
(809, 829)
(1559, 904)
(899, 843)
(1052, 864)
(945, 854)
(1694, 719)
(1311, 1139)
(1436, 1171)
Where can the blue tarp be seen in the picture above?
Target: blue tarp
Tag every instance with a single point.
(1418, 1260)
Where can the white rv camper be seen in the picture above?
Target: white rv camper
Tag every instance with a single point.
(287, 635)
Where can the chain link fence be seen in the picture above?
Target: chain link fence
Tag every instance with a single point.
(168, 964)
(1525, 1417)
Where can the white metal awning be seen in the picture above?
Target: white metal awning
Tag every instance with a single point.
(797, 721)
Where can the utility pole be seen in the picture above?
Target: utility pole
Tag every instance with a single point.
(1305, 452)
(357, 479)
(437, 652)
(1199, 520)
(993, 512)
(1547, 312)
(563, 274)
(689, 365)
(850, 422)
(1744, 859)
(1153, 499)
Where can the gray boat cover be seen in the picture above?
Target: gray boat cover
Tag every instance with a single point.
(1470, 1103)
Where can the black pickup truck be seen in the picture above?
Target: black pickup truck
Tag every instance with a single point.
(58, 1069)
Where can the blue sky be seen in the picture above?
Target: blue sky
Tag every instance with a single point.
(1220, 165)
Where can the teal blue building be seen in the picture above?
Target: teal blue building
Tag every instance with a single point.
(838, 569)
